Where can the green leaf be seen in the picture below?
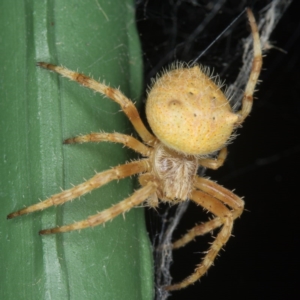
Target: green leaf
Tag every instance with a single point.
(38, 111)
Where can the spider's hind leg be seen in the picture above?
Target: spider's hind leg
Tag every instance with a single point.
(114, 94)
(214, 164)
(115, 137)
(255, 70)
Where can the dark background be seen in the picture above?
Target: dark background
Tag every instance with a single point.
(262, 260)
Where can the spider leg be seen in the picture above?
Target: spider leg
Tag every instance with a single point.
(97, 181)
(144, 179)
(124, 139)
(214, 163)
(255, 71)
(201, 229)
(220, 193)
(135, 199)
(221, 211)
(212, 197)
(127, 106)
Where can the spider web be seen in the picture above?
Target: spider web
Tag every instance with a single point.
(267, 19)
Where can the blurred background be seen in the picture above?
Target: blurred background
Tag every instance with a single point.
(261, 261)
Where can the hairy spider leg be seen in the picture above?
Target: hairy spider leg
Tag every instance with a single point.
(214, 164)
(96, 181)
(221, 211)
(220, 193)
(108, 214)
(115, 137)
(200, 229)
(255, 70)
(114, 94)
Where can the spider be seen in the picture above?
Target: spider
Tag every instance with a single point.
(191, 120)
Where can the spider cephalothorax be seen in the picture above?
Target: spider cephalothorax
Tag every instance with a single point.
(191, 118)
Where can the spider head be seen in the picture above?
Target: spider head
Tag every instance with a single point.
(189, 113)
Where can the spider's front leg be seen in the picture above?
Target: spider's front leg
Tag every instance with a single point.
(212, 197)
(220, 193)
(97, 181)
(135, 199)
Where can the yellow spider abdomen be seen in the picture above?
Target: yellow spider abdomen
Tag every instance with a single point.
(189, 113)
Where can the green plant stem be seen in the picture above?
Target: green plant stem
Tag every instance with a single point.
(38, 110)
